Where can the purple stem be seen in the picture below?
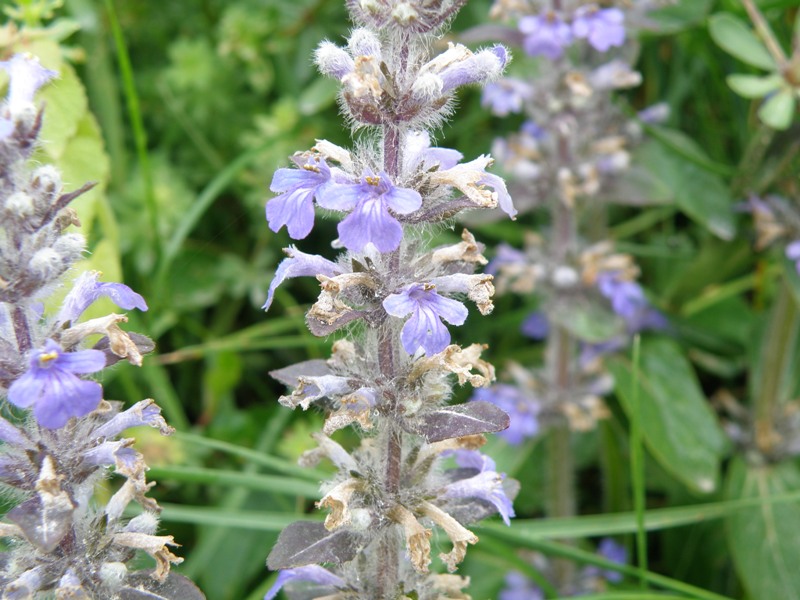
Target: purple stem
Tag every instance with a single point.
(21, 330)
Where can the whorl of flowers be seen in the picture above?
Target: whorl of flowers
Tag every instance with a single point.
(393, 380)
(60, 437)
(574, 148)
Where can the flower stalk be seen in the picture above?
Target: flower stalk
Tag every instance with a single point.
(394, 380)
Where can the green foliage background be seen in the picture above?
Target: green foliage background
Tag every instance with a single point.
(184, 143)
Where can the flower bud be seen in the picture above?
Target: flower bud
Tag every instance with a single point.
(46, 265)
(113, 574)
(144, 523)
(405, 14)
(333, 61)
(19, 206)
(363, 42)
(70, 246)
(46, 179)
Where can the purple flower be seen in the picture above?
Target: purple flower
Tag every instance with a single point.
(427, 308)
(144, 412)
(506, 255)
(628, 301)
(26, 76)
(418, 154)
(486, 485)
(477, 68)
(51, 387)
(506, 96)
(591, 352)
(370, 221)
(545, 35)
(522, 408)
(793, 253)
(300, 264)
(472, 459)
(519, 587)
(533, 130)
(603, 28)
(535, 325)
(654, 114)
(310, 573)
(458, 66)
(612, 551)
(294, 207)
(86, 290)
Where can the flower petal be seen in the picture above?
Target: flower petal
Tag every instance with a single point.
(295, 210)
(299, 264)
(340, 196)
(66, 396)
(87, 289)
(311, 573)
(370, 222)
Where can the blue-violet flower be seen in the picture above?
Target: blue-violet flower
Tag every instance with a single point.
(87, 289)
(370, 221)
(50, 384)
(427, 308)
(294, 206)
(603, 28)
(545, 35)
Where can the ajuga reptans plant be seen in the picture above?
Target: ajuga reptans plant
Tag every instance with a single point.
(60, 437)
(570, 156)
(418, 469)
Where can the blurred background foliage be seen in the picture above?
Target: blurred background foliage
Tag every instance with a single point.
(183, 111)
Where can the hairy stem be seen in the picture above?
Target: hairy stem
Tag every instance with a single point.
(388, 576)
(21, 330)
(560, 491)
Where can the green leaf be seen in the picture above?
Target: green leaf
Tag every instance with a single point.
(736, 38)
(274, 463)
(679, 427)
(754, 86)
(778, 111)
(679, 16)
(84, 160)
(256, 520)
(699, 193)
(65, 105)
(252, 481)
(573, 553)
(317, 96)
(763, 540)
(524, 531)
(685, 147)
(588, 321)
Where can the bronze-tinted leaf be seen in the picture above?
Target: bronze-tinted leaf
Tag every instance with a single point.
(143, 343)
(141, 586)
(323, 328)
(308, 542)
(456, 421)
(44, 527)
(308, 368)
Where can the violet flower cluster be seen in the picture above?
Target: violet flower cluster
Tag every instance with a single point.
(395, 299)
(60, 437)
(572, 151)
